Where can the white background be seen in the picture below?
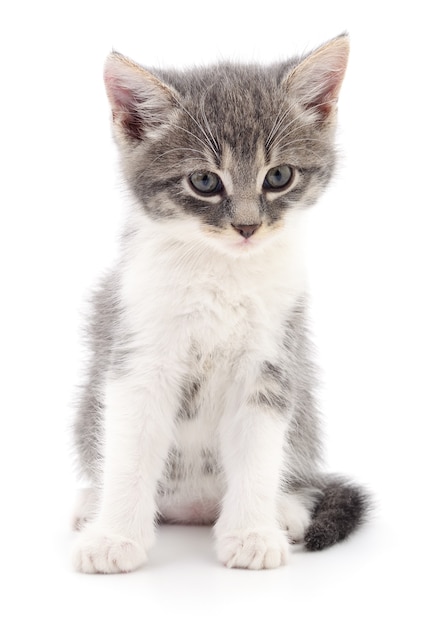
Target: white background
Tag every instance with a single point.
(60, 203)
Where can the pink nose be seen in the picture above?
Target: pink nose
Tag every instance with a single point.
(246, 230)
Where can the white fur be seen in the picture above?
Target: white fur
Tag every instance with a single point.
(233, 308)
(294, 516)
(85, 508)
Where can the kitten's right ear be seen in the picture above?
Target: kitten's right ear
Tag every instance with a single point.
(140, 102)
(317, 79)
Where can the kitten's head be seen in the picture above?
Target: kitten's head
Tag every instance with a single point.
(228, 151)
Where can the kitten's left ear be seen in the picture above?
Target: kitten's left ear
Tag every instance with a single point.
(316, 80)
(140, 102)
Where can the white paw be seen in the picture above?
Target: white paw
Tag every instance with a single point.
(253, 549)
(96, 551)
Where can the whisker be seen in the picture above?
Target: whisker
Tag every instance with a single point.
(209, 144)
(193, 135)
(284, 129)
(181, 150)
(272, 139)
(280, 117)
(316, 154)
(311, 139)
(283, 136)
(301, 140)
(277, 123)
(206, 145)
(215, 142)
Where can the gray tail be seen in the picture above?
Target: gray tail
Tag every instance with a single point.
(340, 509)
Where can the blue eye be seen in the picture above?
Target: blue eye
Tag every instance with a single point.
(206, 183)
(278, 178)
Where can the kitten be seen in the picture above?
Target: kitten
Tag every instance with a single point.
(199, 402)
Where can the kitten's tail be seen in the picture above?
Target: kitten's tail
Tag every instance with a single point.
(340, 508)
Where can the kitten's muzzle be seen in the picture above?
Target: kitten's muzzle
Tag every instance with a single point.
(246, 230)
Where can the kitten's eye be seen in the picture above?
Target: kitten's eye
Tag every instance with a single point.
(206, 183)
(278, 178)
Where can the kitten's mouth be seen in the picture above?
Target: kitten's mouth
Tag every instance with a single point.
(244, 241)
(229, 241)
(247, 246)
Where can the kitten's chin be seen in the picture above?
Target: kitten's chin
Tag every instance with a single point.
(246, 247)
(238, 247)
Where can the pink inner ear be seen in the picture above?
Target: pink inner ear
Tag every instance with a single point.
(139, 101)
(124, 107)
(120, 97)
(328, 93)
(316, 81)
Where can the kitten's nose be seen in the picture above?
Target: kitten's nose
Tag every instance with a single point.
(246, 230)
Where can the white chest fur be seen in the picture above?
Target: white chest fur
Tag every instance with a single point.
(208, 317)
(190, 291)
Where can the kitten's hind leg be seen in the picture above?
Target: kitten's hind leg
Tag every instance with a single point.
(295, 514)
(321, 515)
(85, 508)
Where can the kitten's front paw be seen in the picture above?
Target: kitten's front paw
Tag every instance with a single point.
(101, 552)
(253, 549)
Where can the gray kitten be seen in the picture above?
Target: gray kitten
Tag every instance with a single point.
(198, 406)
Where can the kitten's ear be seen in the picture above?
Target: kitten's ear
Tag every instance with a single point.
(316, 81)
(140, 102)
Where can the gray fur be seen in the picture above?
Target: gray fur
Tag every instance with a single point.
(188, 407)
(174, 469)
(210, 462)
(275, 391)
(241, 104)
(102, 338)
(340, 508)
(218, 109)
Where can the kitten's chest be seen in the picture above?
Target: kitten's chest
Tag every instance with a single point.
(227, 313)
(216, 307)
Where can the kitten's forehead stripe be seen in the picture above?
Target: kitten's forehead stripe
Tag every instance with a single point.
(239, 102)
